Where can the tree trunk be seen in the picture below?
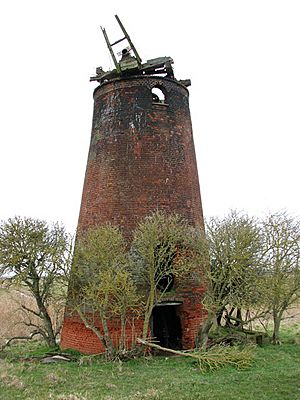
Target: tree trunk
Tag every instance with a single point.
(146, 324)
(239, 318)
(203, 334)
(91, 327)
(276, 328)
(50, 338)
(122, 338)
(49, 329)
(219, 316)
(148, 312)
(107, 339)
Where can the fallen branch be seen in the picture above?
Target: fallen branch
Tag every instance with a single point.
(156, 346)
(7, 343)
(216, 357)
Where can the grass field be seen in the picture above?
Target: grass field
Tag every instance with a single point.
(274, 375)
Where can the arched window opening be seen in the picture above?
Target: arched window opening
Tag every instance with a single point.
(158, 95)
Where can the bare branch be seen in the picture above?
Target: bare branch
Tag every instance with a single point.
(33, 253)
(38, 314)
(7, 343)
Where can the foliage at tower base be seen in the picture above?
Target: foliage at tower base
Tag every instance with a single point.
(36, 256)
(102, 289)
(115, 283)
(165, 248)
(254, 265)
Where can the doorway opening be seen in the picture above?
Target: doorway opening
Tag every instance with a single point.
(166, 326)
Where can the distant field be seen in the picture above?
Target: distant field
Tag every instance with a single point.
(11, 316)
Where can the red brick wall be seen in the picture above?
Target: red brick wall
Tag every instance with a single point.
(77, 337)
(141, 158)
(141, 155)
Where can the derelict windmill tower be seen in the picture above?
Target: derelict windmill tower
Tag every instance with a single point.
(141, 158)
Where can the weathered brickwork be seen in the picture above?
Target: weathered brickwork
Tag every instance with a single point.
(141, 158)
(76, 336)
(141, 155)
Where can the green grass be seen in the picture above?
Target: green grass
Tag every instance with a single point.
(290, 334)
(274, 375)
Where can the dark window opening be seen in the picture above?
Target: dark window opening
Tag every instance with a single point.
(158, 95)
(166, 327)
(165, 283)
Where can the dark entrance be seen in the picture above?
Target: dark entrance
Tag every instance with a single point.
(166, 326)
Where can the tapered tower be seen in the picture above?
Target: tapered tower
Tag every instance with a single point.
(141, 159)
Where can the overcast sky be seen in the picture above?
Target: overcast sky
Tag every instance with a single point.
(244, 62)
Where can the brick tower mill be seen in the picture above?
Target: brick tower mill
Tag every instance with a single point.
(141, 159)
